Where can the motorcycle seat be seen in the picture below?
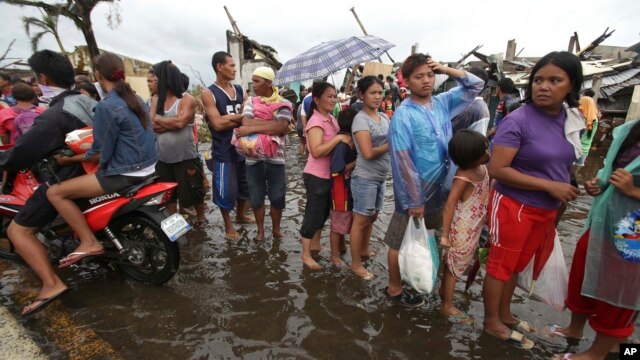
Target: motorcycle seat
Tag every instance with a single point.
(132, 190)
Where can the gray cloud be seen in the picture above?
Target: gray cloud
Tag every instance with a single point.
(189, 32)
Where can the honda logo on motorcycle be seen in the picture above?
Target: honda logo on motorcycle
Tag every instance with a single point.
(98, 199)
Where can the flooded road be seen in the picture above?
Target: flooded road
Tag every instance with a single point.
(248, 299)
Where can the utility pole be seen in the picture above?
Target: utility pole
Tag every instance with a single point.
(233, 22)
(353, 10)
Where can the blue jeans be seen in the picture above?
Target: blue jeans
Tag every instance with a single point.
(266, 179)
(368, 195)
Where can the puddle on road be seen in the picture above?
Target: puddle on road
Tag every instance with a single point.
(254, 300)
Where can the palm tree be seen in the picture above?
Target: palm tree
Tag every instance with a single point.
(78, 11)
(48, 24)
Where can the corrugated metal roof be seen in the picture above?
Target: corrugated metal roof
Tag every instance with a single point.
(617, 87)
(613, 79)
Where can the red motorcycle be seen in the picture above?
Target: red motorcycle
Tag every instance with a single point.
(138, 234)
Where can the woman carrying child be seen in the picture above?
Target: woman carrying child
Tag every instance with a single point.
(464, 213)
(269, 115)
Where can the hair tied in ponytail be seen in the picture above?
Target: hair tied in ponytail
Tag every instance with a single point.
(117, 75)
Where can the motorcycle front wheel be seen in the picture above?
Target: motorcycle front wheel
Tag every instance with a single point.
(149, 254)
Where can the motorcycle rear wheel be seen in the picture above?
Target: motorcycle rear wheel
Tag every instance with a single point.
(152, 257)
(7, 251)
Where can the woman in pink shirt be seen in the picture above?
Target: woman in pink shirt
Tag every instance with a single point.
(322, 137)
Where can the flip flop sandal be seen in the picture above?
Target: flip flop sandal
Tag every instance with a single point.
(367, 277)
(522, 326)
(520, 341)
(76, 256)
(566, 356)
(553, 330)
(42, 303)
(463, 318)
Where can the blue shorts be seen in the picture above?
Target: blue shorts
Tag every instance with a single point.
(229, 184)
(368, 195)
(267, 179)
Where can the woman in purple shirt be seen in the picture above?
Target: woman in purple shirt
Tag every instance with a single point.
(531, 162)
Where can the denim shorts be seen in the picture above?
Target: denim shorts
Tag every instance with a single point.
(266, 179)
(368, 195)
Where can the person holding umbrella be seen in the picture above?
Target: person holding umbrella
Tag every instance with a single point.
(533, 151)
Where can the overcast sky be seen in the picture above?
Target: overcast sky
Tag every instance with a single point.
(190, 31)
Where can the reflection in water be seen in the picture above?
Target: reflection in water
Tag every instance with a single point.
(253, 299)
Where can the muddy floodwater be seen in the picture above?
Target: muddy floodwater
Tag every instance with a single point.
(247, 299)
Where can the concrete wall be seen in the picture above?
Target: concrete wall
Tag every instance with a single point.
(248, 67)
(139, 85)
(634, 107)
(135, 70)
(244, 67)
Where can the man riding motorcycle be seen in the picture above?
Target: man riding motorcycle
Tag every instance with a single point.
(68, 111)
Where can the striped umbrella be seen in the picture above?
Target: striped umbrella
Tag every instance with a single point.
(331, 56)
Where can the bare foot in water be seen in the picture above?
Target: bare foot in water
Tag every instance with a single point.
(316, 248)
(456, 315)
(363, 273)
(260, 236)
(245, 220)
(343, 246)
(310, 264)
(336, 261)
(231, 235)
(367, 253)
(276, 234)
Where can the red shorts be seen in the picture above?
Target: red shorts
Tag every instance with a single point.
(517, 232)
(605, 319)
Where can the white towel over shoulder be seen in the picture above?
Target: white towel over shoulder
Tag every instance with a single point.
(573, 127)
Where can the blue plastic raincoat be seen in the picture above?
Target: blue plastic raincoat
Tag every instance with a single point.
(418, 142)
(608, 276)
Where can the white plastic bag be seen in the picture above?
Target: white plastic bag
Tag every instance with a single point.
(552, 284)
(418, 257)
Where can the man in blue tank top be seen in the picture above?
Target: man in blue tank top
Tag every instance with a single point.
(223, 105)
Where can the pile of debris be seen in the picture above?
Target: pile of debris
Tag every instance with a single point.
(611, 71)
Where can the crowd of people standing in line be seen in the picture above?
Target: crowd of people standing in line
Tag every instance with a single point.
(517, 177)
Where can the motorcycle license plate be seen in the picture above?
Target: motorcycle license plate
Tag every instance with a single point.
(175, 226)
